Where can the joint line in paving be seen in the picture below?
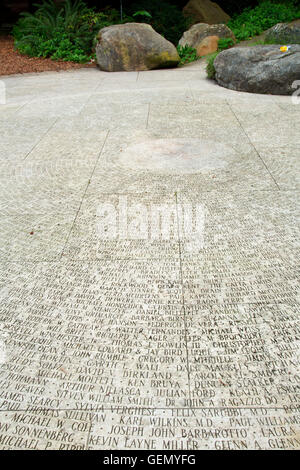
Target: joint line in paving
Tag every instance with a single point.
(252, 145)
(88, 183)
(41, 138)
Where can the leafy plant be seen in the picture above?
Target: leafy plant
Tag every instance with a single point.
(225, 43)
(210, 68)
(253, 21)
(187, 54)
(142, 13)
(55, 31)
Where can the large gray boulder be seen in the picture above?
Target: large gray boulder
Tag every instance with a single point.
(283, 33)
(195, 35)
(133, 46)
(259, 69)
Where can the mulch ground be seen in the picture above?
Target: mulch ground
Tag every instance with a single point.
(12, 62)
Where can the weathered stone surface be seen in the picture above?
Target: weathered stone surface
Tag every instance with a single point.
(133, 46)
(284, 33)
(126, 340)
(199, 32)
(260, 69)
(207, 46)
(205, 11)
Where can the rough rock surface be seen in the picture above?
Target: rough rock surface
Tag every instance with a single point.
(284, 33)
(198, 32)
(260, 69)
(205, 11)
(208, 46)
(133, 47)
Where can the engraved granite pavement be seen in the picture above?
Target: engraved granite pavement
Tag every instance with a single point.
(149, 263)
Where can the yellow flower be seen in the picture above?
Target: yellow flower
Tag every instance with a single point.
(284, 48)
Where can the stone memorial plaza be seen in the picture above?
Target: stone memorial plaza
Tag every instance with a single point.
(149, 261)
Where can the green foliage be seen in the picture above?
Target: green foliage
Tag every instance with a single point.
(187, 54)
(107, 17)
(55, 31)
(210, 69)
(252, 22)
(166, 19)
(225, 43)
(142, 13)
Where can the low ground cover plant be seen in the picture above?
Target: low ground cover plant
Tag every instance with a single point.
(187, 54)
(225, 43)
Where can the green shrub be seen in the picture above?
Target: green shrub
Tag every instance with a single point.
(252, 22)
(166, 19)
(210, 69)
(187, 54)
(55, 31)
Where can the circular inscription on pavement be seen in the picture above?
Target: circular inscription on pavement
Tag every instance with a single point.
(176, 155)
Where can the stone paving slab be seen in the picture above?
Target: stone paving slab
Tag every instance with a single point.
(7, 110)
(120, 115)
(91, 237)
(44, 186)
(278, 127)
(205, 165)
(44, 430)
(243, 354)
(193, 429)
(136, 96)
(283, 164)
(35, 237)
(151, 429)
(19, 136)
(249, 254)
(187, 340)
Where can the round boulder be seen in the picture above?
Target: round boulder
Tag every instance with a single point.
(259, 69)
(133, 46)
(198, 33)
